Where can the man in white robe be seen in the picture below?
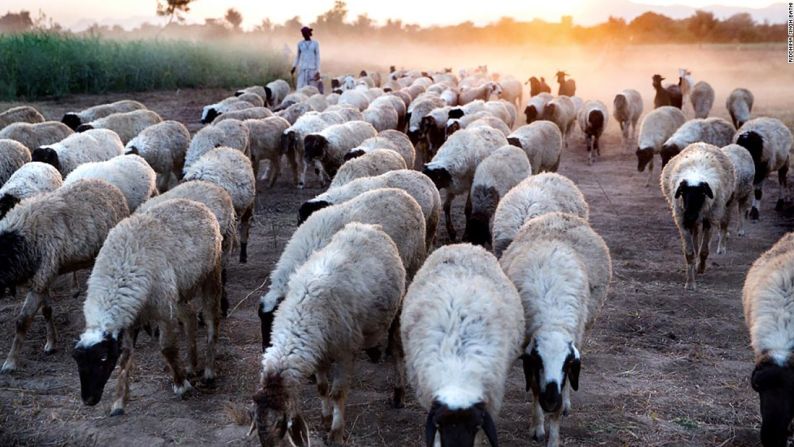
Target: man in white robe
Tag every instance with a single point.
(307, 61)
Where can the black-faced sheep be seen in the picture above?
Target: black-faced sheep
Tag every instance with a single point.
(76, 149)
(769, 143)
(627, 111)
(387, 139)
(163, 146)
(714, 131)
(542, 142)
(698, 184)
(739, 105)
(372, 163)
(21, 114)
(135, 279)
(535, 106)
(264, 142)
(13, 155)
(656, 128)
(36, 135)
(38, 242)
(326, 149)
(256, 113)
(293, 138)
(593, 117)
(666, 96)
(75, 119)
(127, 124)
(31, 179)
(229, 133)
(483, 92)
(275, 92)
(562, 112)
(461, 327)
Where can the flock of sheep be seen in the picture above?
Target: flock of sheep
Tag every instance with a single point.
(156, 215)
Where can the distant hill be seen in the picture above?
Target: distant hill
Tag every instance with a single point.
(596, 13)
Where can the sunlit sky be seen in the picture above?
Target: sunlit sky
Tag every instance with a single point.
(130, 13)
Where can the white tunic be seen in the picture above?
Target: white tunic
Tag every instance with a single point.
(308, 57)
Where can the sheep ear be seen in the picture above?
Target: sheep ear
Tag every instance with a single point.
(430, 425)
(709, 192)
(574, 366)
(489, 428)
(680, 189)
(299, 432)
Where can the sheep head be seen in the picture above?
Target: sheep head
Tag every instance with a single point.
(459, 427)
(276, 416)
(209, 115)
(309, 207)
(644, 156)
(754, 143)
(693, 197)
(72, 120)
(314, 147)
(96, 355)
(439, 175)
(531, 113)
(47, 155)
(6, 203)
(553, 359)
(289, 141)
(775, 387)
(669, 150)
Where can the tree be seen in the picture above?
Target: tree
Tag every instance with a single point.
(701, 24)
(334, 18)
(234, 18)
(16, 22)
(173, 9)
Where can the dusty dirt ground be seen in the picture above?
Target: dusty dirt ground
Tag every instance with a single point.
(661, 367)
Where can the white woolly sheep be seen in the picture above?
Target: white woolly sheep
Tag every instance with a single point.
(292, 99)
(38, 242)
(295, 111)
(127, 124)
(491, 121)
(264, 140)
(372, 163)
(702, 97)
(129, 173)
(292, 139)
(361, 261)
(512, 91)
(769, 143)
(13, 155)
(394, 210)
(767, 300)
(417, 110)
(245, 114)
(740, 105)
(433, 129)
(698, 185)
(163, 146)
(461, 327)
(231, 104)
(397, 104)
(562, 269)
(276, 91)
(326, 149)
(536, 105)
(229, 133)
(21, 114)
(562, 112)
(382, 116)
(387, 139)
(255, 89)
(627, 111)
(414, 183)
(318, 102)
(483, 92)
(744, 171)
(656, 128)
(307, 90)
(355, 98)
(134, 278)
(534, 196)
(454, 165)
(75, 119)
(348, 113)
(494, 177)
(31, 179)
(36, 135)
(542, 142)
(714, 131)
(76, 149)
(231, 170)
(593, 117)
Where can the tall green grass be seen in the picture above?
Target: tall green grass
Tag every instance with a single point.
(38, 65)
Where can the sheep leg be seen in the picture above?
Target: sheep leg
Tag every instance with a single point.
(52, 334)
(783, 185)
(245, 227)
(339, 389)
(323, 389)
(553, 439)
(123, 380)
(588, 139)
(757, 195)
(743, 206)
(566, 400)
(293, 166)
(212, 291)
(273, 171)
(448, 216)
(398, 400)
(32, 303)
(538, 432)
(170, 351)
(304, 172)
(188, 319)
(689, 238)
(704, 246)
(650, 173)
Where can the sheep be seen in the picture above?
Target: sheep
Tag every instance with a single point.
(387, 139)
(275, 92)
(739, 105)
(326, 149)
(450, 96)
(714, 131)
(744, 170)
(346, 112)
(244, 114)
(360, 261)
(491, 121)
(374, 162)
(27, 181)
(397, 104)
(135, 278)
(454, 165)
(461, 326)
(393, 209)
(127, 124)
(295, 111)
(229, 133)
(332, 99)
(627, 111)
(656, 128)
(21, 114)
(418, 110)
(292, 139)
(685, 83)
(593, 117)
(698, 185)
(79, 148)
(163, 146)
(355, 98)
(38, 242)
(534, 196)
(36, 135)
(542, 142)
(265, 144)
(493, 178)
(567, 86)
(129, 173)
(231, 170)
(255, 89)
(666, 96)
(512, 110)
(562, 112)
(75, 119)
(414, 183)
(13, 155)
(432, 129)
(318, 102)
(769, 143)
(382, 116)
(482, 92)
(562, 269)
(512, 91)
(702, 97)
(535, 106)
(767, 298)
(211, 112)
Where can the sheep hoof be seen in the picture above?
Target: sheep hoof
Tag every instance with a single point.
(779, 205)
(398, 400)
(754, 214)
(117, 412)
(538, 435)
(8, 367)
(740, 233)
(49, 350)
(374, 354)
(208, 382)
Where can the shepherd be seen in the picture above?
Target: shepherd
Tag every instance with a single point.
(307, 61)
